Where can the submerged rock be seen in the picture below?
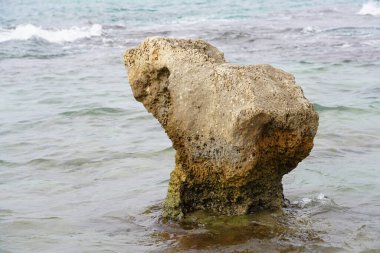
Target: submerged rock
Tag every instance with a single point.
(236, 129)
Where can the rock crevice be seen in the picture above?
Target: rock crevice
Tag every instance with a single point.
(236, 129)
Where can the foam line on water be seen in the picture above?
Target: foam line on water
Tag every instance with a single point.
(28, 31)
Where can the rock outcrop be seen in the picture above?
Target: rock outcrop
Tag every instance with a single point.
(236, 129)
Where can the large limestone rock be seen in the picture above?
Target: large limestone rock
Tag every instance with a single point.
(236, 129)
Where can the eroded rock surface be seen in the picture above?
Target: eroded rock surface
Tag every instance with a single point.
(236, 129)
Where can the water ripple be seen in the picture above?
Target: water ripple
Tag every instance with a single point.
(100, 111)
(340, 108)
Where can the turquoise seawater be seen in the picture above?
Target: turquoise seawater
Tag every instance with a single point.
(84, 167)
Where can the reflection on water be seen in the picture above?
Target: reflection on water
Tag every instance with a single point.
(286, 231)
(305, 225)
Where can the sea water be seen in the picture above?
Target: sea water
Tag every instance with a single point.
(84, 167)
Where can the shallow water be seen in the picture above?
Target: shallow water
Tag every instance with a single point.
(84, 168)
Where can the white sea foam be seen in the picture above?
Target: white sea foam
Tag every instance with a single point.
(26, 32)
(310, 29)
(320, 199)
(370, 8)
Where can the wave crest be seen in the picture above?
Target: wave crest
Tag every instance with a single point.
(370, 8)
(26, 32)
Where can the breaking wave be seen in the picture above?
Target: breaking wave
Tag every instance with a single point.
(28, 31)
(370, 8)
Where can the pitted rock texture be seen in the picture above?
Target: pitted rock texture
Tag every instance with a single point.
(236, 129)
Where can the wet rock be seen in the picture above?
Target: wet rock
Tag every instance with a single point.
(236, 129)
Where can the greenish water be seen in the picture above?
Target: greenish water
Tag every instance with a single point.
(84, 167)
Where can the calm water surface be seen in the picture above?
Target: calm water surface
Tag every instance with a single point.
(84, 167)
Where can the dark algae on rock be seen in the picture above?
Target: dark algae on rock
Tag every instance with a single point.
(236, 129)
